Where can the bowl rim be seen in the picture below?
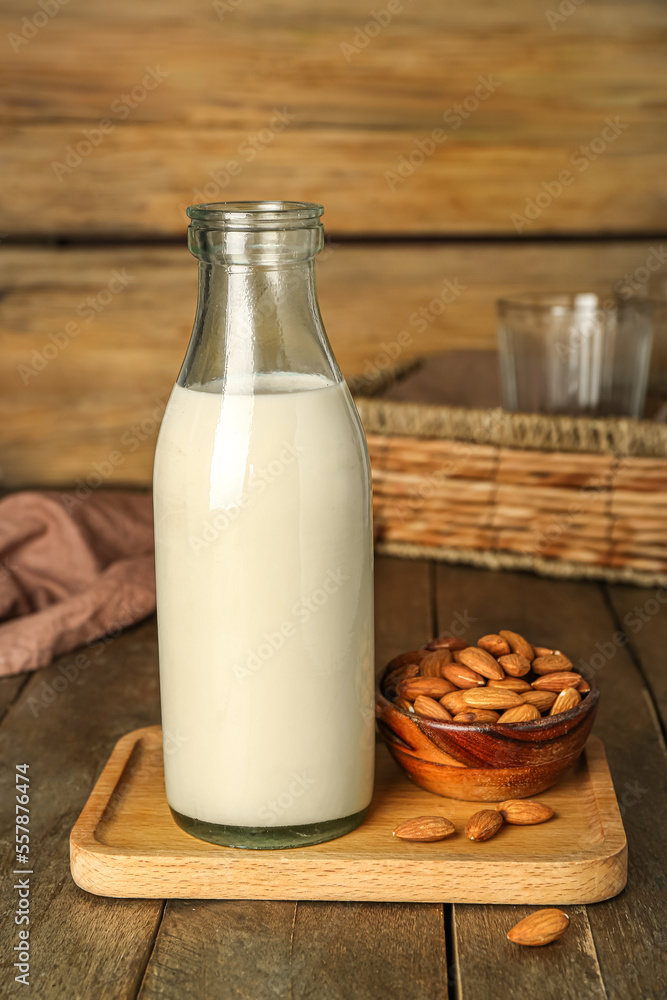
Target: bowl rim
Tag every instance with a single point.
(446, 725)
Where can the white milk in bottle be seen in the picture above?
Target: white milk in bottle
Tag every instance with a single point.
(264, 568)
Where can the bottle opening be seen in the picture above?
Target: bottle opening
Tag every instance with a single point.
(256, 215)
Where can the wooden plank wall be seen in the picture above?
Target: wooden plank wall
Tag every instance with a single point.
(498, 147)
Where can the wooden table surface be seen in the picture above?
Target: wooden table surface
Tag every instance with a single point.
(63, 722)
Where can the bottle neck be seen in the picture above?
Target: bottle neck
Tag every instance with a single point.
(254, 319)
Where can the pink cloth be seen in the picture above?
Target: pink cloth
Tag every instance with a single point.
(71, 571)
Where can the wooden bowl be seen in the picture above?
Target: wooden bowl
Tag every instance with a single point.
(485, 761)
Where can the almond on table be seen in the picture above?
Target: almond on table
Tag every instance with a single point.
(541, 927)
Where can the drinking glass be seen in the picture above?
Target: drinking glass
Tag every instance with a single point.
(578, 354)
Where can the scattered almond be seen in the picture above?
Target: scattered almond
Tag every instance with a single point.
(481, 662)
(461, 676)
(556, 682)
(542, 700)
(483, 824)
(511, 684)
(523, 812)
(551, 664)
(492, 698)
(541, 927)
(518, 644)
(514, 664)
(477, 715)
(431, 709)
(522, 713)
(566, 699)
(426, 829)
(494, 644)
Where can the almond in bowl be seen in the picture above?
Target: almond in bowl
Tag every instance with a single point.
(503, 719)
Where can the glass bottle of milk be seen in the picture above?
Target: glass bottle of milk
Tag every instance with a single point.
(263, 546)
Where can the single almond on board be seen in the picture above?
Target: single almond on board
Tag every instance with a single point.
(556, 682)
(511, 684)
(426, 829)
(481, 662)
(492, 698)
(583, 687)
(431, 709)
(461, 676)
(454, 702)
(541, 927)
(432, 687)
(447, 642)
(523, 812)
(431, 665)
(477, 715)
(514, 664)
(566, 700)
(542, 700)
(483, 824)
(518, 644)
(494, 644)
(522, 713)
(551, 664)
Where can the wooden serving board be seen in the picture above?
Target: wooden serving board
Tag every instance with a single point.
(126, 844)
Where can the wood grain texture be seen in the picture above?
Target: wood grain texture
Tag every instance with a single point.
(568, 968)
(227, 949)
(643, 618)
(62, 725)
(354, 115)
(125, 843)
(628, 933)
(70, 400)
(376, 951)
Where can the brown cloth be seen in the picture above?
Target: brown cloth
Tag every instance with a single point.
(72, 569)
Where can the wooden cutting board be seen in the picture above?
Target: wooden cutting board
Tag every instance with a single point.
(125, 843)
